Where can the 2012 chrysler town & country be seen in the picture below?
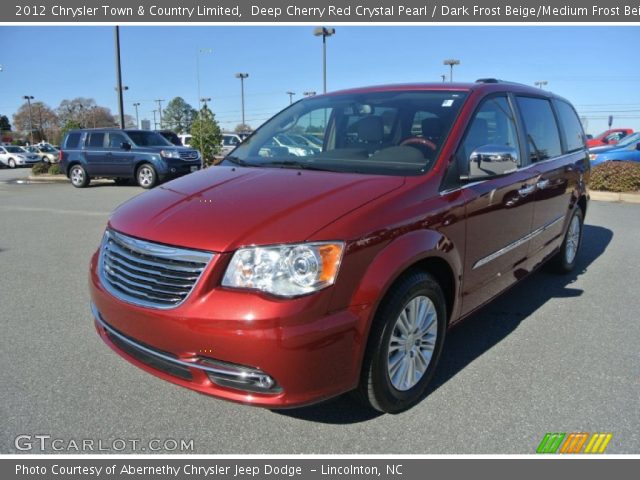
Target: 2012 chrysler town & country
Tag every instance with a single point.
(280, 280)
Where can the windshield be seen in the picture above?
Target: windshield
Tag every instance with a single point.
(385, 133)
(47, 149)
(12, 149)
(142, 138)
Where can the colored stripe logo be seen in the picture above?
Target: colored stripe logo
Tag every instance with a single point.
(574, 443)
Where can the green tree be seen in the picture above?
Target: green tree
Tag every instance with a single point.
(68, 125)
(5, 126)
(178, 115)
(206, 135)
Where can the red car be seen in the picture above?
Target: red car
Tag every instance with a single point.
(609, 137)
(280, 280)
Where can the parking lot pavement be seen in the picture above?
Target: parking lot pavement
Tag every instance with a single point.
(555, 354)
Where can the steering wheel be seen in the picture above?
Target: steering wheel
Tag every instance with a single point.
(409, 141)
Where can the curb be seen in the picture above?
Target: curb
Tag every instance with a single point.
(48, 178)
(614, 197)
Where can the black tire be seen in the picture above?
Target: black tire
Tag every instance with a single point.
(565, 260)
(78, 176)
(11, 163)
(376, 388)
(146, 176)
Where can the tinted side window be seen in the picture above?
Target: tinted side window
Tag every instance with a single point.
(72, 140)
(95, 139)
(542, 133)
(116, 140)
(574, 135)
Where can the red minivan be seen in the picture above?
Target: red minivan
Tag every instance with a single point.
(282, 279)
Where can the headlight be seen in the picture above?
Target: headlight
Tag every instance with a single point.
(592, 156)
(169, 154)
(285, 270)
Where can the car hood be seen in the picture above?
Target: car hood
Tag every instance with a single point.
(223, 208)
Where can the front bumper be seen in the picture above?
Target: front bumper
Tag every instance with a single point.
(310, 354)
(178, 168)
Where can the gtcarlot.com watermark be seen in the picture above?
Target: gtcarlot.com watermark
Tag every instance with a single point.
(48, 443)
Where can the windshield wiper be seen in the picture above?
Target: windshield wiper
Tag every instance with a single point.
(296, 164)
(239, 161)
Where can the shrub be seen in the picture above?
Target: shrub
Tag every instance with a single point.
(40, 168)
(616, 177)
(54, 169)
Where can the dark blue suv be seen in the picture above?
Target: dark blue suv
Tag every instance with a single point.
(124, 155)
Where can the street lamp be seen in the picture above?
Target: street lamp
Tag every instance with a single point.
(443, 78)
(136, 105)
(155, 123)
(540, 83)
(291, 94)
(205, 100)
(28, 98)
(451, 62)
(309, 93)
(324, 33)
(242, 76)
(200, 51)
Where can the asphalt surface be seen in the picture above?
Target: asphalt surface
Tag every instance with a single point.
(555, 354)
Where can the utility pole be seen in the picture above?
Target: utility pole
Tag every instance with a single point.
(136, 105)
(119, 77)
(291, 94)
(160, 100)
(242, 76)
(155, 124)
(28, 98)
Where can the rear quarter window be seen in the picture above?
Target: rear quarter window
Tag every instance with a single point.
(72, 141)
(572, 128)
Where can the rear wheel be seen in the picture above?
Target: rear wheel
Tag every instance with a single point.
(404, 346)
(565, 259)
(78, 176)
(147, 176)
(12, 163)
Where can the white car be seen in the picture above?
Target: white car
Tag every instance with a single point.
(185, 139)
(13, 156)
(229, 142)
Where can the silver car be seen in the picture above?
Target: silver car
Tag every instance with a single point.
(13, 156)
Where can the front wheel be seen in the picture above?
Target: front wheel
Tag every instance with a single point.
(566, 258)
(404, 346)
(12, 163)
(147, 176)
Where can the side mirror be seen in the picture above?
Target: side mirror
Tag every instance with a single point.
(605, 140)
(125, 146)
(490, 161)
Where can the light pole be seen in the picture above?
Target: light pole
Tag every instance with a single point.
(205, 100)
(155, 123)
(444, 77)
(324, 33)
(291, 94)
(199, 52)
(119, 77)
(540, 83)
(242, 76)
(136, 105)
(451, 62)
(28, 98)
(160, 100)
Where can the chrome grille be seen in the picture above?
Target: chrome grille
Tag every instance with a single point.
(149, 274)
(189, 154)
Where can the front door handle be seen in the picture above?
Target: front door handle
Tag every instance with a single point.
(542, 184)
(526, 190)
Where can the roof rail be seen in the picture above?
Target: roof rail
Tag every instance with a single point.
(488, 80)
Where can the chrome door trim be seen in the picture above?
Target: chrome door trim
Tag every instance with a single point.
(516, 244)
